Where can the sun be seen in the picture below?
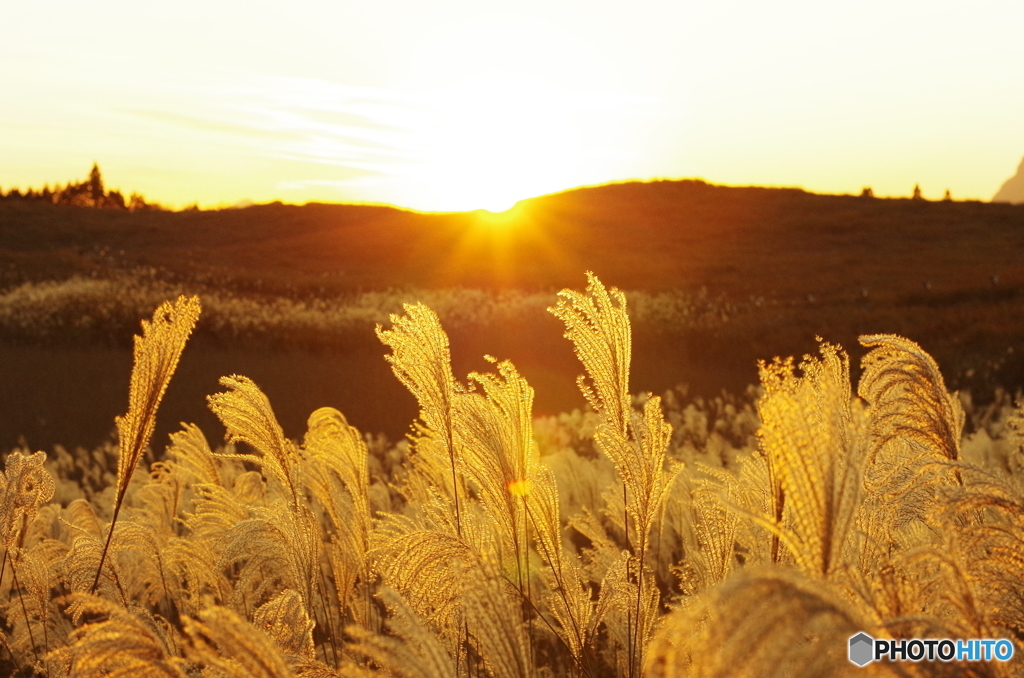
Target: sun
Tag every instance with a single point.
(492, 145)
(494, 220)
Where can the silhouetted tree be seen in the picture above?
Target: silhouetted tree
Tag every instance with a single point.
(75, 194)
(948, 197)
(95, 184)
(917, 192)
(867, 192)
(88, 193)
(136, 203)
(115, 200)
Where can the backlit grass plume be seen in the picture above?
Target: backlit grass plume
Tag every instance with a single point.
(761, 622)
(905, 388)
(915, 426)
(120, 646)
(635, 442)
(421, 359)
(597, 324)
(157, 351)
(248, 417)
(24, 486)
(288, 534)
(814, 442)
(496, 431)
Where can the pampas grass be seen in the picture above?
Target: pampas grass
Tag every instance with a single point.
(648, 536)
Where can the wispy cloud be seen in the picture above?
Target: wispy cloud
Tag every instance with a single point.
(386, 138)
(327, 140)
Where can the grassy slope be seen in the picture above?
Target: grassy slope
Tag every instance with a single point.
(782, 245)
(744, 241)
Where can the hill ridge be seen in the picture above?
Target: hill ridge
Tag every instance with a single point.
(637, 235)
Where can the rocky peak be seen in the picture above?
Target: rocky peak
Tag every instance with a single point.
(1013, 189)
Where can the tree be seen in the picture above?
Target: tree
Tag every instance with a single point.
(115, 200)
(95, 183)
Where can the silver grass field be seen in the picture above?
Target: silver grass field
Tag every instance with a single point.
(642, 537)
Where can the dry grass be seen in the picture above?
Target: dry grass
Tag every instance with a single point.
(80, 308)
(641, 538)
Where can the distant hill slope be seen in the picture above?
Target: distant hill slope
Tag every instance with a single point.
(657, 235)
(1013, 190)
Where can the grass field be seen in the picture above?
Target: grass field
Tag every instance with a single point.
(655, 535)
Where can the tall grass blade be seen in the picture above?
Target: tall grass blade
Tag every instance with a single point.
(157, 351)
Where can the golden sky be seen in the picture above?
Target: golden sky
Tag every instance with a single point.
(464, 104)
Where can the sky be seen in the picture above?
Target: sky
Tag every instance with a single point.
(467, 104)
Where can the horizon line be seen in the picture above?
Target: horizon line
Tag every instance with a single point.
(246, 202)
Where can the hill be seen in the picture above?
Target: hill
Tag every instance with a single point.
(658, 235)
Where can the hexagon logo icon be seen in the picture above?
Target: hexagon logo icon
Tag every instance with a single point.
(861, 648)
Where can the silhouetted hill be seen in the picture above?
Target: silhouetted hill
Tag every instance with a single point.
(658, 235)
(1013, 189)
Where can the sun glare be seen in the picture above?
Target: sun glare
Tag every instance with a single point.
(500, 220)
(494, 144)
